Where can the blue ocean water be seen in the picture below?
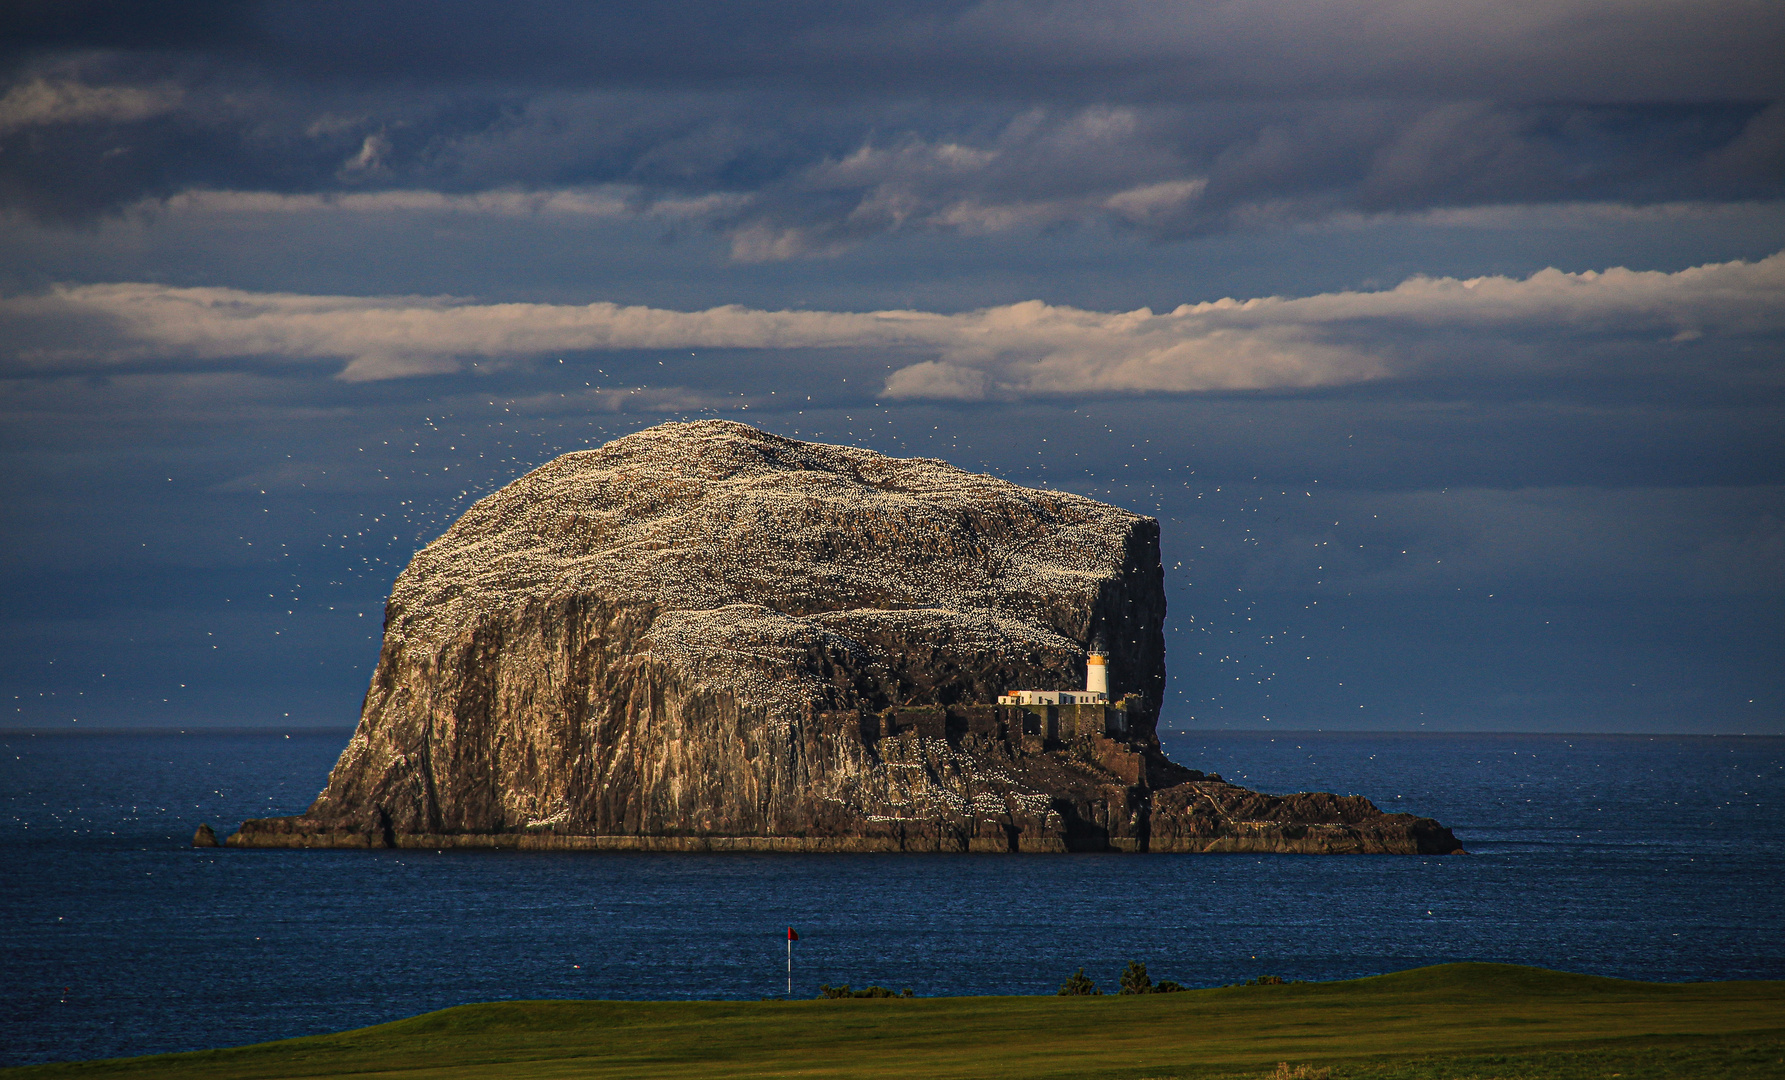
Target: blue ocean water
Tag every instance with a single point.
(1636, 856)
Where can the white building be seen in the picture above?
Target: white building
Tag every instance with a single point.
(1096, 691)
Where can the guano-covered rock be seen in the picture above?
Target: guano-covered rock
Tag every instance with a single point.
(706, 637)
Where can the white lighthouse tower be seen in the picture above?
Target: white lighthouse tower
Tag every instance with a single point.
(1097, 673)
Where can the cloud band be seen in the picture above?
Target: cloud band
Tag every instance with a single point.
(1015, 350)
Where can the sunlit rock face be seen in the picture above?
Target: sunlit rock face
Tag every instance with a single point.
(704, 636)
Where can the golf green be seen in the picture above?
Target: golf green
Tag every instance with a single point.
(1456, 1020)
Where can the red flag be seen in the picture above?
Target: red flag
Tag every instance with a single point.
(791, 936)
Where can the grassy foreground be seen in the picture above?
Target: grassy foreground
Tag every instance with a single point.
(1454, 1021)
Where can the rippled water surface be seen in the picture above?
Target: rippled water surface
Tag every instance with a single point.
(1636, 856)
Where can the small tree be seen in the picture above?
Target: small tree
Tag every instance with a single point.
(1079, 985)
(1135, 979)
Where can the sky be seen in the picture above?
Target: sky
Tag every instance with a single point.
(1446, 340)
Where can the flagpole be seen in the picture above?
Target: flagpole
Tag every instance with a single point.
(790, 964)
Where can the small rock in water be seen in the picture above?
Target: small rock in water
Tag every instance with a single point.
(205, 837)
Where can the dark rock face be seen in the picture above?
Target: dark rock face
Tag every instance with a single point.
(205, 837)
(1214, 816)
(706, 637)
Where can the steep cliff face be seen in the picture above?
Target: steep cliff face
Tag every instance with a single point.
(703, 636)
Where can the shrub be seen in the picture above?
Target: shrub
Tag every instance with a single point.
(843, 991)
(1079, 985)
(1166, 986)
(1135, 979)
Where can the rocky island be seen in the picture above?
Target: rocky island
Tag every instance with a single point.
(704, 637)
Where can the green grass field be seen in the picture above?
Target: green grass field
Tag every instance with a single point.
(1455, 1021)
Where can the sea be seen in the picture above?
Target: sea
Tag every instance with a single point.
(1636, 856)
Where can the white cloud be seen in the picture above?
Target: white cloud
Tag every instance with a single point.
(761, 242)
(636, 399)
(42, 101)
(371, 157)
(1571, 215)
(937, 381)
(1150, 201)
(594, 201)
(1029, 348)
(1040, 170)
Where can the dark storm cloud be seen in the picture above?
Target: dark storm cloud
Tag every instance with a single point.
(827, 124)
(1658, 50)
